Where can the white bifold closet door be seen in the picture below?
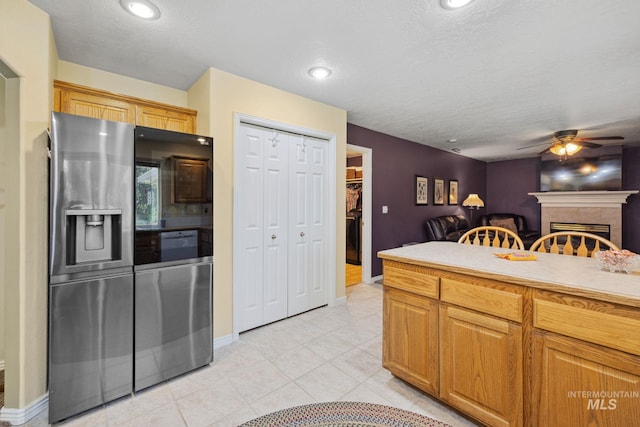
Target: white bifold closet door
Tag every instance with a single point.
(282, 221)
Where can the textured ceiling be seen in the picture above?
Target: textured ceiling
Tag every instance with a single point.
(496, 76)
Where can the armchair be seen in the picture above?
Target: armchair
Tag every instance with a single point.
(513, 222)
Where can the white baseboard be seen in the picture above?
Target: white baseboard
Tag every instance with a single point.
(20, 416)
(222, 341)
(341, 300)
(376, 279)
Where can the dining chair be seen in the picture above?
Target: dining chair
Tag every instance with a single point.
(565, 243)
(489, 235)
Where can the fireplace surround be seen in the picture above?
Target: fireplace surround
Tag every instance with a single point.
(584, 207)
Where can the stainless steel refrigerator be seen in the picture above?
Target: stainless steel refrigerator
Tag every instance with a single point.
(173, 254)
(91, 263)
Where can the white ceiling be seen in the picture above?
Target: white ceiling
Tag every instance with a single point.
(497, 75)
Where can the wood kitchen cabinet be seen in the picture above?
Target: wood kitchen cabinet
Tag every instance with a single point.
(582, 384)
(410, 347)
(515, 346)
(481, 365)
(165, 118)
(481, 352)
(189, 180)
(587, 356)
(410, 322)
(85, 101)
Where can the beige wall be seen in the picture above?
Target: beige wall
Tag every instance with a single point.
(26, 49)
(98, 79)
(3, 189)
(231, 94)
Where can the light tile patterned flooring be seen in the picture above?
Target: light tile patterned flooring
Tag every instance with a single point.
(328, 354)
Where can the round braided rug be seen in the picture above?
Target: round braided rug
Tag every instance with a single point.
(344, 414)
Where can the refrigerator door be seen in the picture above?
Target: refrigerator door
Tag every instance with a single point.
(173, 322)
(90, 344)
(91, 196)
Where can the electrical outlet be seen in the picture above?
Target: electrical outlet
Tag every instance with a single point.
(385, 209)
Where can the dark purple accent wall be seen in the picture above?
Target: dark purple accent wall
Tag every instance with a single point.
(396, 162)
(508, 185)
(631, 211)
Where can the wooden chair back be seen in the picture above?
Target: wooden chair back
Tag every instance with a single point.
(568, 243)
(489, 235)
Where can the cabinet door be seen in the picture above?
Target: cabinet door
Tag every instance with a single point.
(163, 118)
(481, 366)
(410, 338)
(582, 384)
(190, 181)
(98, 107)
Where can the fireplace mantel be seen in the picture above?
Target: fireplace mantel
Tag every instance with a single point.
(583, 199)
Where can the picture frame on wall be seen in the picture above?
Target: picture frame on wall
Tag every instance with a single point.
(421, 190)
(453, 192)
(438, 191)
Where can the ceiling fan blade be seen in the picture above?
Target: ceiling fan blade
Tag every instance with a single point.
(533, 145)
(600, 138)
(587, 144)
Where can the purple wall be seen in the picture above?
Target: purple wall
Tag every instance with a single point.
(509, 182)
(395, 163)
(631, 211)
(508, 185)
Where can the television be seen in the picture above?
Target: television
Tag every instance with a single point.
(582, 174)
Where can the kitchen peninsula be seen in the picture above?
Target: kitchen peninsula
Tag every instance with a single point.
(548, 342)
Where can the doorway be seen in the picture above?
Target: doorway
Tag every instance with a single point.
(359, 225)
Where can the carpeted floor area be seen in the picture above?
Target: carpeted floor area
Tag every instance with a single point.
(344, 414)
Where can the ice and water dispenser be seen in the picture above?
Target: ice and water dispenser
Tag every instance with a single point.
(93, 235)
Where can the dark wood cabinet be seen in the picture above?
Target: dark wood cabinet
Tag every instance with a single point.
(189, 180)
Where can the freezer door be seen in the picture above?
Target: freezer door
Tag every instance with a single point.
(173, 322)
(90, 344)
(91, 195)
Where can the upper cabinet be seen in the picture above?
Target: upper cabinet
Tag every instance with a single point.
(85, 101)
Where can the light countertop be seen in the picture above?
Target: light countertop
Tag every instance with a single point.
(570, 274)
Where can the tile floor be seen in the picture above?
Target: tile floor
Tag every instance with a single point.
(328, 354)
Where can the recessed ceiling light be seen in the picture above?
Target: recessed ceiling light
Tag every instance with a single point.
(454, 4)
(141, 8)
(319, 73)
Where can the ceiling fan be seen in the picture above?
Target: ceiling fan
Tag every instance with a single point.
(568, 143)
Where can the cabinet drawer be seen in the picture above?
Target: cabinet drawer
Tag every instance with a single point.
(611, 329)
(499, 302)
(411, 278)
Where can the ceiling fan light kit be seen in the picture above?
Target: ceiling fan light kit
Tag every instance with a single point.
(562, 149)
(567, 143)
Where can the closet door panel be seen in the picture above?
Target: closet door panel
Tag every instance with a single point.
(276, 200)
(318, 195)
(251, 217)
(299, 272)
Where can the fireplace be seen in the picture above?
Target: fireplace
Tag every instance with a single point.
(585, 208)
(602, 230)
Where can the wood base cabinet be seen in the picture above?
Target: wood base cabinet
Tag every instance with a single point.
(481, 365)
(583, 384)
(410, 344)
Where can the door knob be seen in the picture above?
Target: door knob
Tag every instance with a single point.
(273, 237)
(302, 234)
